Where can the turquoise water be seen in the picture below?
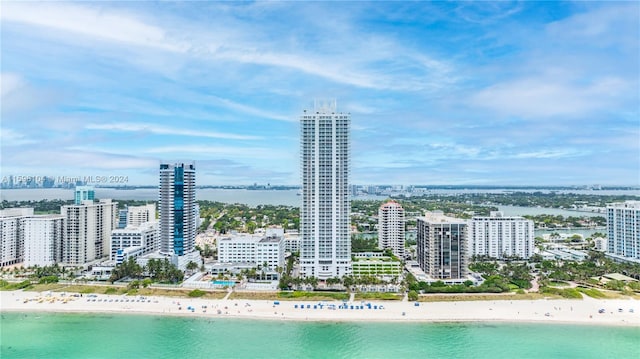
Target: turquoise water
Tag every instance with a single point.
(39, 335)
(227, 283)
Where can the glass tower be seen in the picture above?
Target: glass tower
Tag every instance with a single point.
(442, 246)
(84, 193)
(325, 250)
(177, 207)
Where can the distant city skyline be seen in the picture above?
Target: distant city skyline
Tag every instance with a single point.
(444, 93)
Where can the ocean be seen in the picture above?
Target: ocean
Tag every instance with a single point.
(52, 335)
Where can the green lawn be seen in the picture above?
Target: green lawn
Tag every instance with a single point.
(314, 295)
(378, 296)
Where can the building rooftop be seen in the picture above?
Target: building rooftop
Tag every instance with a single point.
(47, 216)
(618, 276)
(257, 238)
(270, 239)
(391, 203)
(497, 215)
(626, 204)
(439, 217)
(16, 212)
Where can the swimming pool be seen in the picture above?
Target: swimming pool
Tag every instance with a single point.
(224, 283)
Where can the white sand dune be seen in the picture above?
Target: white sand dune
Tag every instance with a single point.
(586, 311)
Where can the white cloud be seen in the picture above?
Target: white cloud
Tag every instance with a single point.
(9, 83)
(344, 66)
(550, 153)
(603, 26)
(54, 160)
(250, 110)
(226, 151)
(547, 96)
(12, 138)
(163, 130)
(86, 21)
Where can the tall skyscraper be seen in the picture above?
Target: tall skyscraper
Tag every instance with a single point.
(43, 238)
(497, 236)
(177, 207)
(623, 229)
(84, 193)
(391, 227)
(88, 230)
(325, 250)
(11, 235)
(442, 246)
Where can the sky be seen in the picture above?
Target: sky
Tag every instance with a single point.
(443, 93)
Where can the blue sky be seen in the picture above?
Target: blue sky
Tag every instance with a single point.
(482, 93)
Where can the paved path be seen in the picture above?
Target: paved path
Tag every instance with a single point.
(534, 285)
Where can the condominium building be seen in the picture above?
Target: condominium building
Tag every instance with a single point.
(325, 246)
(145, 237)
(441, 246)
(391, 228)
(292, 243)
(88, 231)
(177, 208)
(43, 238)
(499, 237)
(11, 237)
(255, 249)
(600, 244)
(623, 229)
(137, 215)
(84, 193)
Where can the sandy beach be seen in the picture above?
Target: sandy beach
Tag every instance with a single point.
(585, 311)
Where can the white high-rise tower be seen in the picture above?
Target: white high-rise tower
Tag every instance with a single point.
(325, 249)
(623, 229)
(391, 228)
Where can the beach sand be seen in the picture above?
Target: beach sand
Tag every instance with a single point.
(624, 312)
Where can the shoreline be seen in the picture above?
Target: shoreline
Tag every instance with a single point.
(617, 312)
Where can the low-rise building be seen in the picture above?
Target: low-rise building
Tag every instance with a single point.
(376, 265)
(600, 244)
(565, 254)
(145, 237)
(292, 244)
(257, 249)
